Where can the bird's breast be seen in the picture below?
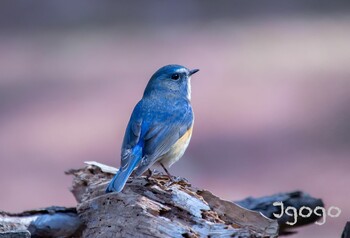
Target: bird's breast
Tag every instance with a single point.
(177, 150)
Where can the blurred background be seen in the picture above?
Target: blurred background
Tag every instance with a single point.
(271, 100)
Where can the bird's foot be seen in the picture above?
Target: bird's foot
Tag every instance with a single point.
(176, 180)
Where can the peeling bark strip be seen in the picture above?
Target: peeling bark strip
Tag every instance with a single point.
(157, 207)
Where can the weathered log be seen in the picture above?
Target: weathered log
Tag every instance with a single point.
(47, 222)
(346, 231)
(149, 207)
(296, 199)
(158, 207)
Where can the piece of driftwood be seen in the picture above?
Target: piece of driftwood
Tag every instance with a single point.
(296, 199)
(147, 207)
(346, 231)
(47, 222)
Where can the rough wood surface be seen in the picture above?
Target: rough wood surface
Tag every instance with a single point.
(158, 207)
(150, 207)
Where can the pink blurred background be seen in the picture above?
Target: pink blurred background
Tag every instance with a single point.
(271, 100)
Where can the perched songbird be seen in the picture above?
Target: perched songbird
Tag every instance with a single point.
(160, 126)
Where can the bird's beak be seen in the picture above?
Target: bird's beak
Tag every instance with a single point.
(193, 71)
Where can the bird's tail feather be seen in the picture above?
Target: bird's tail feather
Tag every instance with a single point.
(118, 182)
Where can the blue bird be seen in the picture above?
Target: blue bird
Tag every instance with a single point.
(160, 126)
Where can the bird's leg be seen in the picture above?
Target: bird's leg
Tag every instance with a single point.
(149, 173)
(174, 179)
(167, 172)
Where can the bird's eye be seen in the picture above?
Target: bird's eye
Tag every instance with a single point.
(175, 76)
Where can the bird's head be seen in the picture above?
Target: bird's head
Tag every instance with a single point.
(171, 79)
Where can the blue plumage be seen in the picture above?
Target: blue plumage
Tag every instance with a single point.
(160, 126)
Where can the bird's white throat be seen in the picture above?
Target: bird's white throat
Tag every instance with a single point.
(189, 89)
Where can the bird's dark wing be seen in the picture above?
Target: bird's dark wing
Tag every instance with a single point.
(132, 136)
